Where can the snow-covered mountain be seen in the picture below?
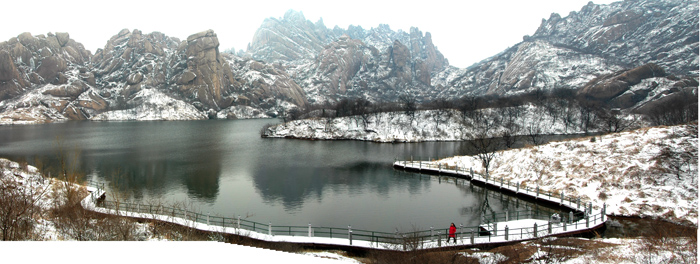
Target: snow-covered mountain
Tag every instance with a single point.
(627, 53)
(630, 54)
(378, 64)
(636, 55)
(136, 77)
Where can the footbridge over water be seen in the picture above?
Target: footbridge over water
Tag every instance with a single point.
(499, 228)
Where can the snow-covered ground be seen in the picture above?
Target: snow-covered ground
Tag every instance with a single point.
(435, 125)
(157, 252)
(649, 172)
(592, 251)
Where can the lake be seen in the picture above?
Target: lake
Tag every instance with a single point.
(224, 167)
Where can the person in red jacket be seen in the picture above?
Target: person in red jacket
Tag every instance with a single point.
(453, 230)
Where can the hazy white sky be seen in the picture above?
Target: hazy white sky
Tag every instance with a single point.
(464, 31)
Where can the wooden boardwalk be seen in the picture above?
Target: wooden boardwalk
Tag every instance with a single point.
(492, 234)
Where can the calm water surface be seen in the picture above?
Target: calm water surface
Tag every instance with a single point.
(225, 168)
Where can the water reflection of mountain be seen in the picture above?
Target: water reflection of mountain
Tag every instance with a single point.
(140, 159)
(291, 186)
(478, 201)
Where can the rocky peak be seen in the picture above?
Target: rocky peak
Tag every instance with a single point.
(634, 32)
(289, 38)
(212, 78)
(41, 59)
(627, 53)
(346, 61)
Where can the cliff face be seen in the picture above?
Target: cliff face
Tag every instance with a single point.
(379, 64)
(633, 54)
(289, 38)
(135, 77)
(596, 51)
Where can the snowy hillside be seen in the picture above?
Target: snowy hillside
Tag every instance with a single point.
(435, 125)
(154, 105)
(649, 172)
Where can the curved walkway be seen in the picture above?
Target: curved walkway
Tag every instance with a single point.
(504, 229)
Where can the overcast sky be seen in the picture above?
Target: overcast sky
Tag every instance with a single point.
(464, 31)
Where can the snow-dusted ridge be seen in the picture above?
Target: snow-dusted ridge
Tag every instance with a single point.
(649, 172)
(433, 125)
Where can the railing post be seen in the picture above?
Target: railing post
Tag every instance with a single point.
(535, 231)
(565, 226)
(350, 234)
(578, 203)
(538, 192)
(590, 207)
(602, 211)
(432, 236)
(517, 190)
(309, 229)
(571, 217)
(549, 226)
(269, 228)
(208, 218)
(588, 219)
(238, 223)
(439, 239)
(461, 233)
(562, 199)
(472, 238)
(501, 187)
(495, 228)
(506, 230)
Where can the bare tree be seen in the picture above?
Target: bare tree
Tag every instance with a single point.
(534, 132)
(468, 106)
(587, 114)
(508, 138)
(442, 110)
(409, 104)
(18, 206)
(484, 144)
(678, 109)
(612, 121)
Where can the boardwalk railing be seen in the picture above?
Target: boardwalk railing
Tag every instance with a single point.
(573, 203)
(499, 227)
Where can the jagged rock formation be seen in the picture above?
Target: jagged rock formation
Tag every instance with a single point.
(378, 64)
(632, 54)
(276, 39)
(606, 51)
(135, 77)
(54, 62)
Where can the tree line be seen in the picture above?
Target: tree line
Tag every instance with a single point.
(560, 104)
